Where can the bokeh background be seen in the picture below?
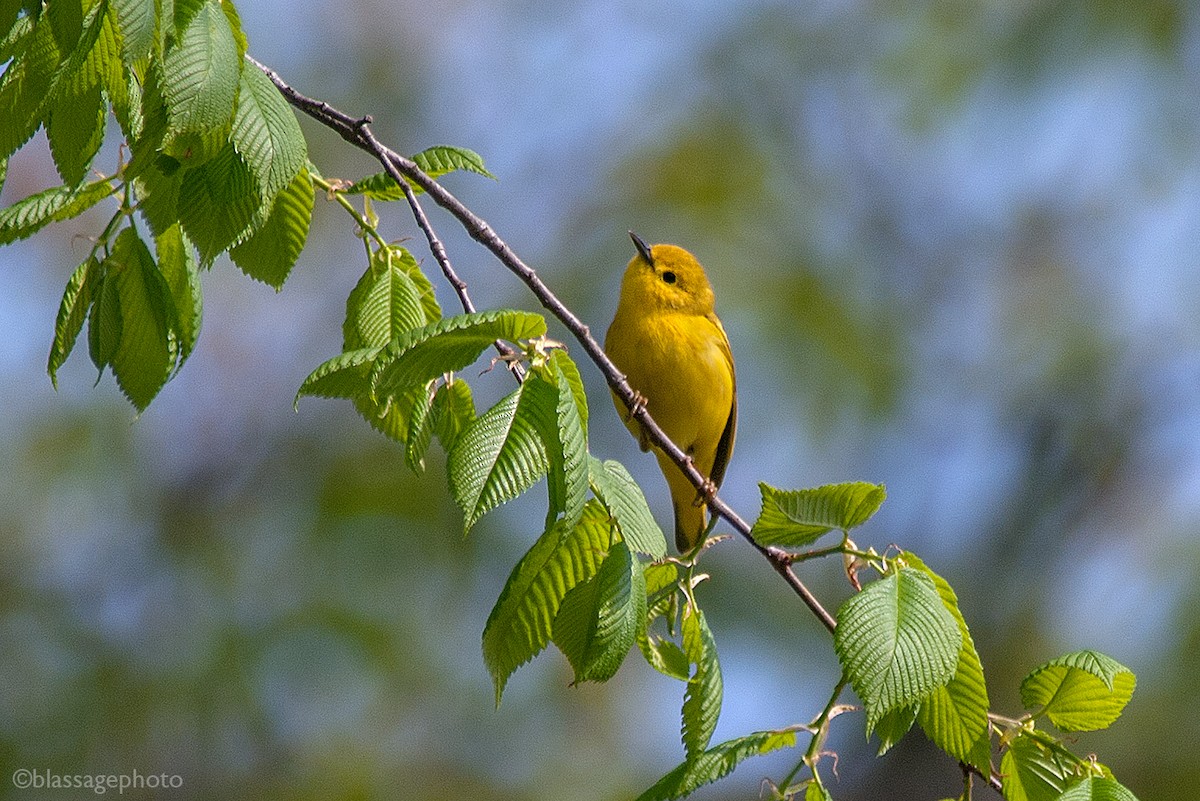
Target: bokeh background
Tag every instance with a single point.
(953, 244)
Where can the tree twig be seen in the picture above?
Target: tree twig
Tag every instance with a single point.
(357, 131)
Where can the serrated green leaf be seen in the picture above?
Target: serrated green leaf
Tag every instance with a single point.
(624, 500)
(420, 430)
(26, 217)
(599, 620)
(75, 128)
(104, 320)
(702, 699)
(178, 266)
(267, 137)
(954, 717)
(566, 442)
(146, 352)
(105, 67)
(561, 363)
(448, 345)
(385, 302)
(439, 160)
(796, 518)
(502, 453)
(9, 9)
(521, 622)
(1097, 788)
(346, 375)
(896, 642)
(453, 411)
(893, 725)
(664, 656)
(235, 25)
(435, 162)
(218, 201)
(1082, 691)
(146, 137)
(72, 311)
(66, 22)
(200, 79)
(271, 252)
(1033, 771)
(715, 763)
(26, 85)
(135, 21)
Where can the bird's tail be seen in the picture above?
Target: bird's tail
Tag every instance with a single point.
(690, 522)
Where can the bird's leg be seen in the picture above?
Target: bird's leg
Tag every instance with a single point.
(637, 407)
(707, 491)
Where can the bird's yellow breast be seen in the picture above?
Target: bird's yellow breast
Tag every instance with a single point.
(678, 363)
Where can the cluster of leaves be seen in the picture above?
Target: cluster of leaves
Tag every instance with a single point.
(905, 648)
(217, 164)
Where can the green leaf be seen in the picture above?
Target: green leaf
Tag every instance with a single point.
(200, 81)
(1098, 788)
(104, 320)
(26, 85)
(791, 517)
(1035, 771)
(105, 67)
(435, 162)
(218, 201)
(1083, 691)
(797, 517)
(385, 303)
(26, 217)
(439, 160)
(346, 375)
(135, 21)
(502, 453)
(521, 622)
(267, 137)
(453, 411)
(816, 792)
(664, 656)
(897, 642)
(715, 763)
(271, 252)
(448, 345)
(147, 350)
(600, 619)
(76, 300)
(420, 430)
(702, 699)
(954, 717)
(75, 128)
(9, 9)
(182, 273)
(566, 442)
(893, 725)
(624, 500)
(66, 21)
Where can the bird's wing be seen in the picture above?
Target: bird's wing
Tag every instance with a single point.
(725, 445)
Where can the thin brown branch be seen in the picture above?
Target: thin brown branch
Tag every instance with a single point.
(357, 131)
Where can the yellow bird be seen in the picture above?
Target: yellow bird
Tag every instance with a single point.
(667, 340)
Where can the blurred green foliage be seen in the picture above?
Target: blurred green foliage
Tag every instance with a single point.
(951, 244)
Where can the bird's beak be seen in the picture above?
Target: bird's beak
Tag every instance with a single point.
(642, 247)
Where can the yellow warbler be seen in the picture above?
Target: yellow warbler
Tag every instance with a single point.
(669, 343)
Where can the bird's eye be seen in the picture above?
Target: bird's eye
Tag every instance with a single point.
(668, 276)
